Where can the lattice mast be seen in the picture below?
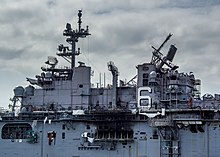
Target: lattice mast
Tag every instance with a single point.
(73, 36)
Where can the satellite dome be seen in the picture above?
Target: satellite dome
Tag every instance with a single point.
(19, 91)
(29, 90)
(153, 74)
(48, 75)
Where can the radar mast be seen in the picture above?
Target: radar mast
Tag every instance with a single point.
(158, 60)
(73, 36)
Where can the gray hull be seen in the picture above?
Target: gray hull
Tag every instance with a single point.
(72, 140)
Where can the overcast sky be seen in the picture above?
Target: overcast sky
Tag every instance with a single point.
(122, 31)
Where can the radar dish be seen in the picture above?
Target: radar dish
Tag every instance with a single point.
(51, 60)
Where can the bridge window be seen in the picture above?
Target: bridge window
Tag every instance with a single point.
(145, 75)
(145, 82)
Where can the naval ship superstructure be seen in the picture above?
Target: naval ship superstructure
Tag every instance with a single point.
(158, 113)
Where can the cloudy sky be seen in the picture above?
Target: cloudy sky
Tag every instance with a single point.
(122, 31)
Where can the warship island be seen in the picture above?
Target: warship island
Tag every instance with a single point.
(158, 113)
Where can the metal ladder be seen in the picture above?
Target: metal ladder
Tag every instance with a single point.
(169, 141)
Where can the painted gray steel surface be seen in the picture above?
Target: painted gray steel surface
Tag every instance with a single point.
(159, 113)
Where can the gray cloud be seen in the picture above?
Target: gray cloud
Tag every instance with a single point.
(193, 4)
(122, 31)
